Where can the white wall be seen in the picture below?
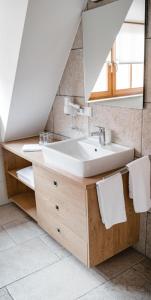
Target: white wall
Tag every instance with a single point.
(49, 31)
(12, 17)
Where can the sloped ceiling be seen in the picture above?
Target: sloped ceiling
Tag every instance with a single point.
(49, 31)
(100, 28)
(12, 19)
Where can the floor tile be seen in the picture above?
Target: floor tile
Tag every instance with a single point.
(54, 246)
(10, 212)
(119, 263)
(128, 286)
(23, 230)
(144, 268)
(66, 280)
(24, 259)
(4, 295)
(3, 292)
(5, 240)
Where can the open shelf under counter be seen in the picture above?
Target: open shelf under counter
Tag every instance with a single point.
(26, 201)
(13, 173)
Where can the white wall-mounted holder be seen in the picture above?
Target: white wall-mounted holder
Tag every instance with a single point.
(70, 108)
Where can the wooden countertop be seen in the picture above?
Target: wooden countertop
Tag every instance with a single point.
(38, 159)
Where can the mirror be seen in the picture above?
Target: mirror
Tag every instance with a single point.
(114, 39)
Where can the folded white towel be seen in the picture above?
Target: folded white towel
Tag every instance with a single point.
(139, 184)
(31, 148)
(111, 200)
(27, 175)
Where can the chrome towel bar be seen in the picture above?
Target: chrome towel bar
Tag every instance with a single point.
(123, 170)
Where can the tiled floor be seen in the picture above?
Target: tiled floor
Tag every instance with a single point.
(34, 267)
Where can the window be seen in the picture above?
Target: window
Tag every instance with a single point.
(123, 71)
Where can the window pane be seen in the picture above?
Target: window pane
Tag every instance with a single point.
(130, 43)
(123, 77)
(108, 60)
(102, 81)
(137, 75)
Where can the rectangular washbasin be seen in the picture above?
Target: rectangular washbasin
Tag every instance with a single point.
(85, 157)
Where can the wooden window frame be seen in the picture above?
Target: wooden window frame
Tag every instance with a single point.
(112, 91)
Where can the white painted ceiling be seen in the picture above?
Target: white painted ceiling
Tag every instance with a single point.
(43, 47)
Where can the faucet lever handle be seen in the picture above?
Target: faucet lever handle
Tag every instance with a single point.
(101, 128)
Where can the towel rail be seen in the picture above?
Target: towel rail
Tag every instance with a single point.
(123, 170)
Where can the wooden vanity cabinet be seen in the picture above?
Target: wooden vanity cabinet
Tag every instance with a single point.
(61, 210)
(66, 206)
(70, 213)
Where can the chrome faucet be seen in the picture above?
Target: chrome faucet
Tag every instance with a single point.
(101, 133)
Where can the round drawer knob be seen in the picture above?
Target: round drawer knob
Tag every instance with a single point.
(58, 230)
(57, 207)
(55, 183)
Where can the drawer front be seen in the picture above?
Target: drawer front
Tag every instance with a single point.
(63, 198)
(63, 235)
(53, 184)
(76, 222)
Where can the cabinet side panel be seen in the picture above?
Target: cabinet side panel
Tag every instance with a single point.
(103, 243)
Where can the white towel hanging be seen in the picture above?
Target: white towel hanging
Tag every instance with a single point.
(111, 200)
(139, 184)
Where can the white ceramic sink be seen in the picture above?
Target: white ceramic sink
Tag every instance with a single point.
(85, 157)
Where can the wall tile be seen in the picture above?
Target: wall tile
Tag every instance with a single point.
(148, 19)
(50, 122)
(72, 83)
(124, 123)
(146, 133)
(141, 245)
(78, 42)
(148, 71)
(62, 122)
(148, 242)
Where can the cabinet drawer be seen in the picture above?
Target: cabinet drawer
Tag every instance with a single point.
(64, 213)
(61, 196)
(63, 235)
(53, 185)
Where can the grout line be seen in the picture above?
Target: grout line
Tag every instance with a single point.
(128, 268)
(112, 278)
(17, 244)
(141, 274)
(9, 294)
(32, 273)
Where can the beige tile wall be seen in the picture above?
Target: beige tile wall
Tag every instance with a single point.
(3, 193)
(130, 127)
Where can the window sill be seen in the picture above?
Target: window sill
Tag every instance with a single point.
(115, 98)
